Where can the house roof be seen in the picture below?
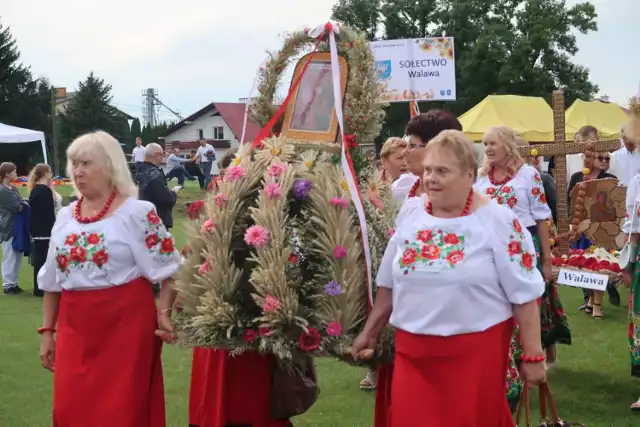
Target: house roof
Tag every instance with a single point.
(69, 96)
(231, 112)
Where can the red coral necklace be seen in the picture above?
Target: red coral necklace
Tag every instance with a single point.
(414, 189)
(465, 211)
(495, 182)
(97, 217)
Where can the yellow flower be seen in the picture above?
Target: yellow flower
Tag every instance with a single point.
(308, 164)
(344, 185)
(237, 160)
(276, 151)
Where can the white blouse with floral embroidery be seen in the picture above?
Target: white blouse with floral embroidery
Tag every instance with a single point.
(632, 219)
(452, 276)
(524, 194)
(129, 244)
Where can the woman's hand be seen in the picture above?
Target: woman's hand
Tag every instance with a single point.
(533, 373)
(626, 277)
(165, 328)
(363, 346)
(47, 351)
(547, 271)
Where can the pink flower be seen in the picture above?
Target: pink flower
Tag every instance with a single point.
(234, 173)
(249, 335)
(334, 329)
(272, 191)
(391, 232)
(221, 199)
(257, 236)
(204, 268)
(208, 226)
(339, 252)
(339, 202)
(264, 332)
(270, 304)
(277, 170)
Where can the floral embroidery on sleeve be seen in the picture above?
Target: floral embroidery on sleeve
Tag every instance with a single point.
(430, 248)
(516, 251)
(157, 239)
(537, 190)
(504, 195)
(84, 251)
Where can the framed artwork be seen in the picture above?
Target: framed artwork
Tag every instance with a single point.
(311, 114)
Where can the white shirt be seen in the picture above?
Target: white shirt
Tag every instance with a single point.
(129, 244)
(202, 152)
(524, 194)
(625, 165)
(400, 187)
(453, 276)
(138, 154)
(632, 219)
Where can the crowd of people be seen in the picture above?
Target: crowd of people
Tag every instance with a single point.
(462, 333)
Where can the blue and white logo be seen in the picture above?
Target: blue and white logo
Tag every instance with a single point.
(383, 69)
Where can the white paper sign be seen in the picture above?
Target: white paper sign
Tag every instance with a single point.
(583, 279)
(416, 69)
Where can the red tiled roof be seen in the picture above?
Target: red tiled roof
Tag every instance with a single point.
(233, 115)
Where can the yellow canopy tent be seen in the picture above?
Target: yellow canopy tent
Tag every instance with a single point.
(606, 117)
(531, 116)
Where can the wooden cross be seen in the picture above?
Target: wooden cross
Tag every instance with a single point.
(559, 150)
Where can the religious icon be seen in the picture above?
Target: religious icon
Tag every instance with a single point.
(311, 114)
(602, 210)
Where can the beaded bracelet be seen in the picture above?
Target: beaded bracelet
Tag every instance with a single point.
(530, 359)
(43, 330)
(166, 310)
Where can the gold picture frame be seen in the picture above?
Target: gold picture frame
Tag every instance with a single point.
(311, 114)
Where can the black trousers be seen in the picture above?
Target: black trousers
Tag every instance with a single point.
(39, 257)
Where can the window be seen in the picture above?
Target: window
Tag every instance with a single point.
(200, 133)
(218, 132)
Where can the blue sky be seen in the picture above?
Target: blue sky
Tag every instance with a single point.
(195, 52)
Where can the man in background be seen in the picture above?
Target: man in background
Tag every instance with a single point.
(137, 155)
(625, 162)
(176, 165)
(205, 157)
(152, 184)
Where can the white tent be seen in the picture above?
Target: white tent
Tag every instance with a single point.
(15, 135)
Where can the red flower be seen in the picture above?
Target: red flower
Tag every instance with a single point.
(263, 332)
(527, 260)
(293, 258)
(151, 240)
(543, 198)
(535, 191)
(71, 240)
(512, 201)
(517, 226)
(425, 236)
(167, 246)
(451, 239)
(537, 178)
(506, 189)
(500, 200)
(409, 256)
(309, 341)
(455, 257)
(430, 252)
(153, 217)
(195, 209)
(350, 141)
(490, 191)
(63, 262)
(514, 248)
(93, 239)
(78, 254)
(249, 335)
(100, 258)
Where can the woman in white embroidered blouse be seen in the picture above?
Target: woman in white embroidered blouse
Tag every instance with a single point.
(105, 251)
(457, 270)
(506, 178)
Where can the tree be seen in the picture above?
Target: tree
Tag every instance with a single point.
(502, 46)
(136, 130)
(24, 101)
(89, 110)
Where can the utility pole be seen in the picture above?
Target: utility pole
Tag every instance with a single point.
(56, 92)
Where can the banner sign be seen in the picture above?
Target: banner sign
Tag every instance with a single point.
(583, 279)
(416, 69)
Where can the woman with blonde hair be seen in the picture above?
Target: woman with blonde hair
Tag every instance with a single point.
(42, 217)
(457, 270)
(106, 250)
(506, 178)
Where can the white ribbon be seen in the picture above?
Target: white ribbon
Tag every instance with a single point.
(247, 103)
(332, 30)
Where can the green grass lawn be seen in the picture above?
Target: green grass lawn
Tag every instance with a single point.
(591, 383)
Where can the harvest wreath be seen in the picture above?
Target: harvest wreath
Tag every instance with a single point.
(275, 263)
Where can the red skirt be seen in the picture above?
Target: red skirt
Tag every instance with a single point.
(455, 381)
(231, 390)
(108, 370)
(382, 414)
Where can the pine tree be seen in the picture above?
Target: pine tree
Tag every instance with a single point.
(89, 110)
(136, 129)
